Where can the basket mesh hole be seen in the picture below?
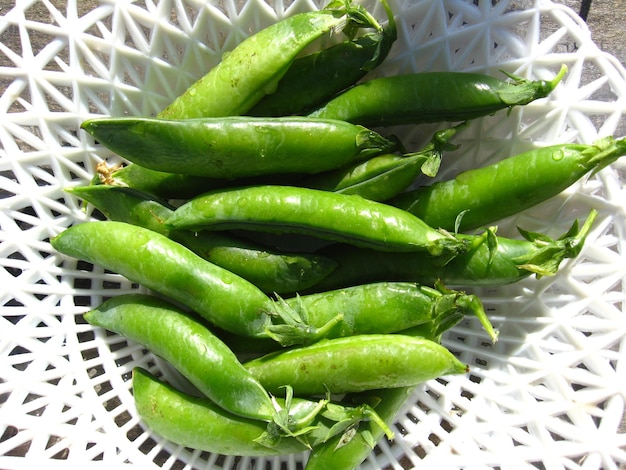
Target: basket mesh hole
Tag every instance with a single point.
(17, 353)
(21, 447)
(135, 432)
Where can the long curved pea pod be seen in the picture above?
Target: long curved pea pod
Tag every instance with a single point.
(432, 97)
(491, 261)
(355, 364)
(270, 271)
(253, 68)
(250, 348)
(164, 185)
(199, 424)
(384, 307)
(237, 147)
(474, 198)
(327, 72)
(314, 212)
(165, 266)
(190, 347)
(385, 176)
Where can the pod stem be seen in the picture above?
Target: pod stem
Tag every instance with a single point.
(447, 247)
(309, 430)
(293, 328)
(347, 420)
(371, 143)
(302, 425)
(388, 36)
(550, 253)
(451, 306)
(357, 17)
(433, 151)
(605, 151)
(524, 91)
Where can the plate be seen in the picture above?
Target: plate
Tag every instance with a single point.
(550, 394)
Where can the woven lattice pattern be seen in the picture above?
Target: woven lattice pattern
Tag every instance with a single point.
(549, 394)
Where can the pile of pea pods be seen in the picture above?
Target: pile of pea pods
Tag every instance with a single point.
(297, 277)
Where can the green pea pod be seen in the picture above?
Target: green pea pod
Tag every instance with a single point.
(164, 185)
(491, 261)
(475, 198)
(385, 307)
(149, 258)
(354, 364)
(270, 271)
(432, 97)
(313, 212)
(190, 347)
(209, 364)
(214, 95)
(165, 266)
(236, 147)
(197, 423)
(254, 67)
(327, 72)
(341, 453)
(385, 176)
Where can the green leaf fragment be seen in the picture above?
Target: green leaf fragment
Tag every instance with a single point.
(458, 219)
(492, 243)
(431, 166)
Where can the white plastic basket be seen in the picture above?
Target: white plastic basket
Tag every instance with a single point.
(550, 394)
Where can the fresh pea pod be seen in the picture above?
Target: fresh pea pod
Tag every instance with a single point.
(237, 147)
(165, 266)
(159, 263)
(432, 97)
(164, 185)
(378, 178)
(385, 176)
(323, 214)
(247, 74)
(479, 197)
(254, 67)
(197, 423)
(341, 453)
(385, 307)
(491, 261)
(205, 361)
(354, 364)
(190, 347)
(271, 271)
(315, 78)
